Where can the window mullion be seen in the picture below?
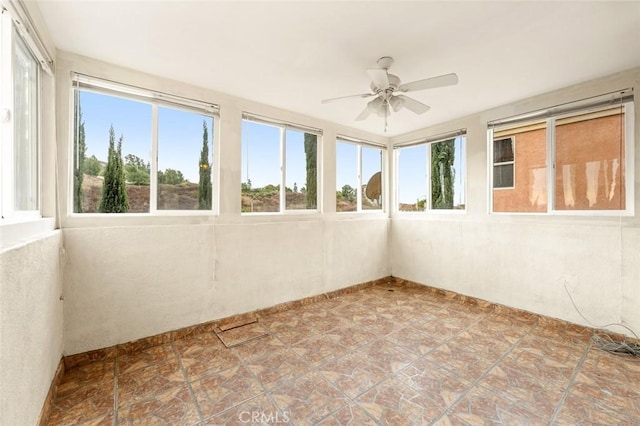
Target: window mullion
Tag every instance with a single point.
(153, 181)
(551, 164)
(428, 201)
(6, 105)
(359, 180)
(491, 167)
(395, 200)
(629, 157)
(283, 172)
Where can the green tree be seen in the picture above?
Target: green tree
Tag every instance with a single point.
(204, 185)
(171, 177)
(136, 171)
(91, 166)
(114, 190)
(348, 193)
(311, 153)
(80, 149)
(442, 174)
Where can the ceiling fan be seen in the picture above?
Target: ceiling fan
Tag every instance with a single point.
(384, 87)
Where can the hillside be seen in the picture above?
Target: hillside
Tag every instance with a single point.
(170, 197)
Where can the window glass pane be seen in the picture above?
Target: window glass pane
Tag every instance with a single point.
(25, 115)
(589, 172)
(185, 158)
(521, 185)
(346, 176)
(371, 178)
(260, 167)
(301, 170)
(502, 150)
(447, 174)
(503, 176)
(113, 144)
(412, 178)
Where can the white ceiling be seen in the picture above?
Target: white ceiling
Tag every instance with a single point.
(294, 54)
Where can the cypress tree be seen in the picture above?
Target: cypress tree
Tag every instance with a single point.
(114, 190)
(311, 153)
(442, 174)
(204, 185)
(80, 150)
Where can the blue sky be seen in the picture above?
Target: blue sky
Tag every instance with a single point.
(180, 142)
(179, 132)
(412, 172)
(261, 155)
(347, 164)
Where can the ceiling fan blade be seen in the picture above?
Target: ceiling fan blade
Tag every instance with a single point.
(364, 114)
(413, 105)
(430, 83)
(379, 78)
(361, 95)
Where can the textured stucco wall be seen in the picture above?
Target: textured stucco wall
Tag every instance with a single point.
(129, 277)
(525, 260)
(124, 283)
(30, 327)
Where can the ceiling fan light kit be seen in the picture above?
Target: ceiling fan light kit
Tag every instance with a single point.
(384, 86)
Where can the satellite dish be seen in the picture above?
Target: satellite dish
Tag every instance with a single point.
(374, 187)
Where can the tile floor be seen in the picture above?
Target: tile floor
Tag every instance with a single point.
(374, 357)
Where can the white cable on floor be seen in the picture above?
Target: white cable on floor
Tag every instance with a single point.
(605, 342)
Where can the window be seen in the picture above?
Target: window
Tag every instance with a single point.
(590, 161)
(503, 161)
(589, 143)
(520, 174)
(185, 159)
(138, 151)
(20, 164)
(359, 175)
(430, 175)
(279, 166)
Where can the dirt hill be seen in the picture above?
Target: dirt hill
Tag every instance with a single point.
(170, 197)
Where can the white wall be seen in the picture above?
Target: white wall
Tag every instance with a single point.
(524, 260)
(30, 327)
(129, 276)
(31, 283)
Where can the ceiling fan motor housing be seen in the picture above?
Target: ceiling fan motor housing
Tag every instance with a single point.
(394, 83)
(384, 85)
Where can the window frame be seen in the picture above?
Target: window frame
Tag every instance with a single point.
(428, 142)
(156, 99)
(625, 98)
(505, 163)
(283, 127)
(359, 143)
(10, 36)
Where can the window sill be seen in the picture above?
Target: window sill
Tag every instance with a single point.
(102, 220)
(16, 232)
(434, 212)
